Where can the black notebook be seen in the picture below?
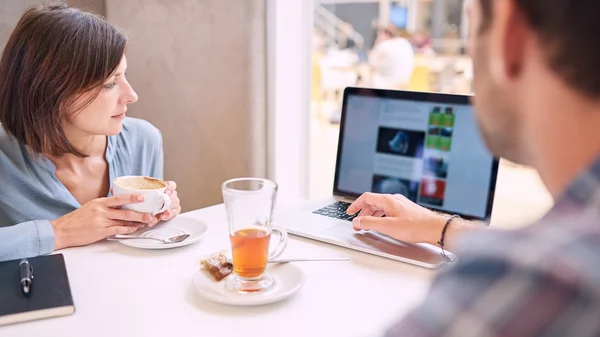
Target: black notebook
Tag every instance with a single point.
(49, 296)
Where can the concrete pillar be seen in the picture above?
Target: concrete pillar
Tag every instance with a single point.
(413, 16)
(199, 69)
(384, 12)
(438, 18)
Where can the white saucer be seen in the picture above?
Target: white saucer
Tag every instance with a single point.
(288, 278)
(180, 225)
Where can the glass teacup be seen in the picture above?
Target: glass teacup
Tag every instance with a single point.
(250, 203)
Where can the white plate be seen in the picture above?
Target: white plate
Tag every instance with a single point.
(288, 278)
(180, 225)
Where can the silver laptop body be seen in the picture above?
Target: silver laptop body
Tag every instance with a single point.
(372, 156)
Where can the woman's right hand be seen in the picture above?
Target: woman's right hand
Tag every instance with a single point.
(97, 220)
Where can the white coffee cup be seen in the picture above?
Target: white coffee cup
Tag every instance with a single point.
(153, 190)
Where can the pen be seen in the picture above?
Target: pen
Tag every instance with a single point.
(26, 272)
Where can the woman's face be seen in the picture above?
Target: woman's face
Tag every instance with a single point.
(104, 116)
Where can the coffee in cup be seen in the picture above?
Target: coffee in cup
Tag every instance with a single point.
(153, 189)
(141, 183)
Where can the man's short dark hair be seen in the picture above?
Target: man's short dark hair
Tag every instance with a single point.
(569, 31)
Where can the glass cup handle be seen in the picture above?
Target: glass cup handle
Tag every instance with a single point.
(283, 237)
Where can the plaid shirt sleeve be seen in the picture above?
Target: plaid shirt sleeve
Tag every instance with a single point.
(493, 296)
(540, 281)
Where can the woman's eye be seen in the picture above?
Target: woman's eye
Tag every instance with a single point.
(110, 85)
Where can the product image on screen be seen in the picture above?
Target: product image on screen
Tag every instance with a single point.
(391, 185)
(435, 117)
(432, 191)
(401, 142)
(440, 129)
(446, 132)
(426, 147)
(435, 166)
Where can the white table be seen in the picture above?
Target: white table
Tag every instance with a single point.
(124, 291)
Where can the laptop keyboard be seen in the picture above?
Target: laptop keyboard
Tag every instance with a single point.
(336, 210)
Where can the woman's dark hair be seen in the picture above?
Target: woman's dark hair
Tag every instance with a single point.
(55, 54)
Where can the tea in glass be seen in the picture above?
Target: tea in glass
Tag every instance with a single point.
(250, 203)
(250, 250)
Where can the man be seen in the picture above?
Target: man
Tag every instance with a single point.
(537, 102)
(391, 60)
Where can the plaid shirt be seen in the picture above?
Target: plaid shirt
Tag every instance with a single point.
(543, 280)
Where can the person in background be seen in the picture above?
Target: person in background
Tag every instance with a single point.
(422, 43)
(65, 135)
(392, 61)
(537, 102)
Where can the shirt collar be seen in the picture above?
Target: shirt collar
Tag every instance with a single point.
(585, 189)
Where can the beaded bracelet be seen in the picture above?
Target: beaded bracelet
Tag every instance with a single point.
(441, 242)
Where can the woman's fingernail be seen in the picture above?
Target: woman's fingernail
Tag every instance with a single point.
(140, 198)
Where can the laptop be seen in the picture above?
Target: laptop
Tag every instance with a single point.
(425, 146)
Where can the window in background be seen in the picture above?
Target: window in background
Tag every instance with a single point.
(406, 44)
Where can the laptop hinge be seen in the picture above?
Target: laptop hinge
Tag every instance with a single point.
(345, 199)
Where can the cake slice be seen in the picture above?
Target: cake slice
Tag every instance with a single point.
(218, 266)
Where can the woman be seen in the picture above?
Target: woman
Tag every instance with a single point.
(65, 135)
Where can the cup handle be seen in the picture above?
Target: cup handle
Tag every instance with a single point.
(166, 204)
(283, 238)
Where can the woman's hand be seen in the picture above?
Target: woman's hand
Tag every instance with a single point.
(97, 220)
(175, 204)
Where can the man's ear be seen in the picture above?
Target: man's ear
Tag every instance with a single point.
(508, 36)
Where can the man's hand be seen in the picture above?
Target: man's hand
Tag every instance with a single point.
(404, 220)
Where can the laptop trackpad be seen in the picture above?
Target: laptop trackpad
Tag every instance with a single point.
(374, 241)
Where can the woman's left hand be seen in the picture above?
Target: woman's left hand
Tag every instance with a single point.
(175, 205)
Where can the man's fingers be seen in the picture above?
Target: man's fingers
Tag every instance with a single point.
(356, 205)
(121, 200)
(379, 214)
(372, 200)
(375, 223)
(366, 211)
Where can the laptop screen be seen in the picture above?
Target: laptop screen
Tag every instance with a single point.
(424, 146)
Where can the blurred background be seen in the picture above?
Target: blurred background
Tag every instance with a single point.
(254, 87)
(417, 45)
